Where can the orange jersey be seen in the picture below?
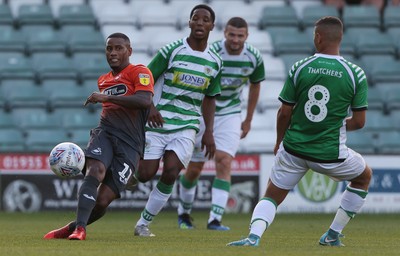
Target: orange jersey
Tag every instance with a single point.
(126, 123)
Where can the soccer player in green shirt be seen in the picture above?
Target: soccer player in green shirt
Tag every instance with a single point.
(243, 66)
(187, 74)
(317, 98)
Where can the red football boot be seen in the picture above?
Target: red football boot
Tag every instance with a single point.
(78, 234)
(60, 233)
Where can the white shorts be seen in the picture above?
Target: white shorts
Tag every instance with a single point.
(288, 169)
(227, 131)
(181, 142)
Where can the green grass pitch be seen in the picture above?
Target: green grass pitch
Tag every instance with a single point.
(290, 234)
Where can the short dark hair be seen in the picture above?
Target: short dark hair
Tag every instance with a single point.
(203, 6)
(237, 22)
(329, 21)
(120, 35)
(331, 27)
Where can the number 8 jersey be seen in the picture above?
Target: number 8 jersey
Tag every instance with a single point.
(323, 89)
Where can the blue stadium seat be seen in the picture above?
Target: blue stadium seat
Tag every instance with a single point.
(15, 66)
(279, 16)
(389, 142)
(361, 16)
(312, 13)
(43, 140)
(35, 14)
(362, 142)
(54, 66)
(11, 140)
(6, 16)
(76, 14)
(11, 40)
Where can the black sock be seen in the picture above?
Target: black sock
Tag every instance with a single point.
(86, 200)
(96, 214)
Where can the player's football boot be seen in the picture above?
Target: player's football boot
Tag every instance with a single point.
(78, 234)
(251, 240)
(185, 221)
(143, 230)
(331, 238)
(216, 225)
(60, 233)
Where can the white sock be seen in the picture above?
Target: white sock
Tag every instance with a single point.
(220, 196)
(351, 203)
(154, 204)
(187, 190)
(263, 216)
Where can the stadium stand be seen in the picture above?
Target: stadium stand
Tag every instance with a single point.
(12, 140)
(15, 66)
(362, 142)
(52, 52)
(6, 16)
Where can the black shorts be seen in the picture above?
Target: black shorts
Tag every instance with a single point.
(120, 159)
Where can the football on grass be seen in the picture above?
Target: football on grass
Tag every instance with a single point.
(67, 160)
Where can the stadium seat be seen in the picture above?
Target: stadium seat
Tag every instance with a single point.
(76, 14)
(24, 95)
(281, 16)
(362, 142)
(43, 39)
(11, 40)
(35, 118)
(269, 93)
(78, 118)
(258, 141)
(67, 96)
(376, 121)
(250, 11)
(389, 142)
(376, 99)
(43, 140)
(155, 13)
(265, 120)
(393, 98)
(6, 119)
(14, 66)
(380, 68)
(348, 45)
(292, 43)
(261, 40)
(90, 65)
(274, 68)
(394, 33)
(116, 12)
(11, 140)
(54, 66)
(156, 40)
(391, 17)
(80, 137)
(35, 14)
(63, 93)
(3, 105)
(86, 42)
(361, 16)
(374, 43)
(6, 16)
(140, 58)
(312, 13)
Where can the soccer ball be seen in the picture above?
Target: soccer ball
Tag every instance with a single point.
(67, 159)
